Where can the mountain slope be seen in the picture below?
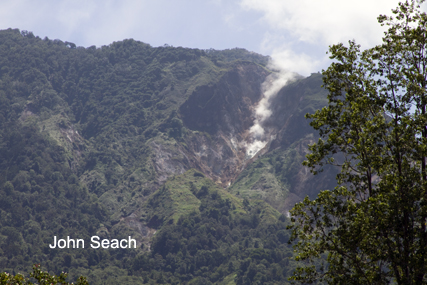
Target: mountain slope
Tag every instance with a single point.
(278, 176)
(128, 139)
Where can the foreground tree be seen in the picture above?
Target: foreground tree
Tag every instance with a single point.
(371, 229)
(42, 278)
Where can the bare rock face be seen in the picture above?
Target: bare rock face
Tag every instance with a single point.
(220, 158)
(168, 161)
(226, 106)
(276, 173)
(220, 116)
(142, 233)
(294, 133)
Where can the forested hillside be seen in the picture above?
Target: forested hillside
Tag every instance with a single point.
(149, 142)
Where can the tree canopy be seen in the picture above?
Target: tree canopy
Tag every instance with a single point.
(42, 277)
(372, 227)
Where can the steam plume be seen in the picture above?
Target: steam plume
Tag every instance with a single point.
(259, 136)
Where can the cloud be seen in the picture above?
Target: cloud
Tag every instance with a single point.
(325, 22)
(301, 31)
(298, 37)
(287, 59)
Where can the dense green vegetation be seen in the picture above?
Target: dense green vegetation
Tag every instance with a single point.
(372, 226)
(80, 129)
(42, 278)
(218, 236)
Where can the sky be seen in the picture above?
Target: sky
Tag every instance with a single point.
(295, 33)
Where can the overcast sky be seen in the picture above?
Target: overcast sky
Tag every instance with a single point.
(295, 33)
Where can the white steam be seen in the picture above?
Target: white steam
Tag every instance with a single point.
(259, 136)
(298, 37)
(271, 86)
(254, 147)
